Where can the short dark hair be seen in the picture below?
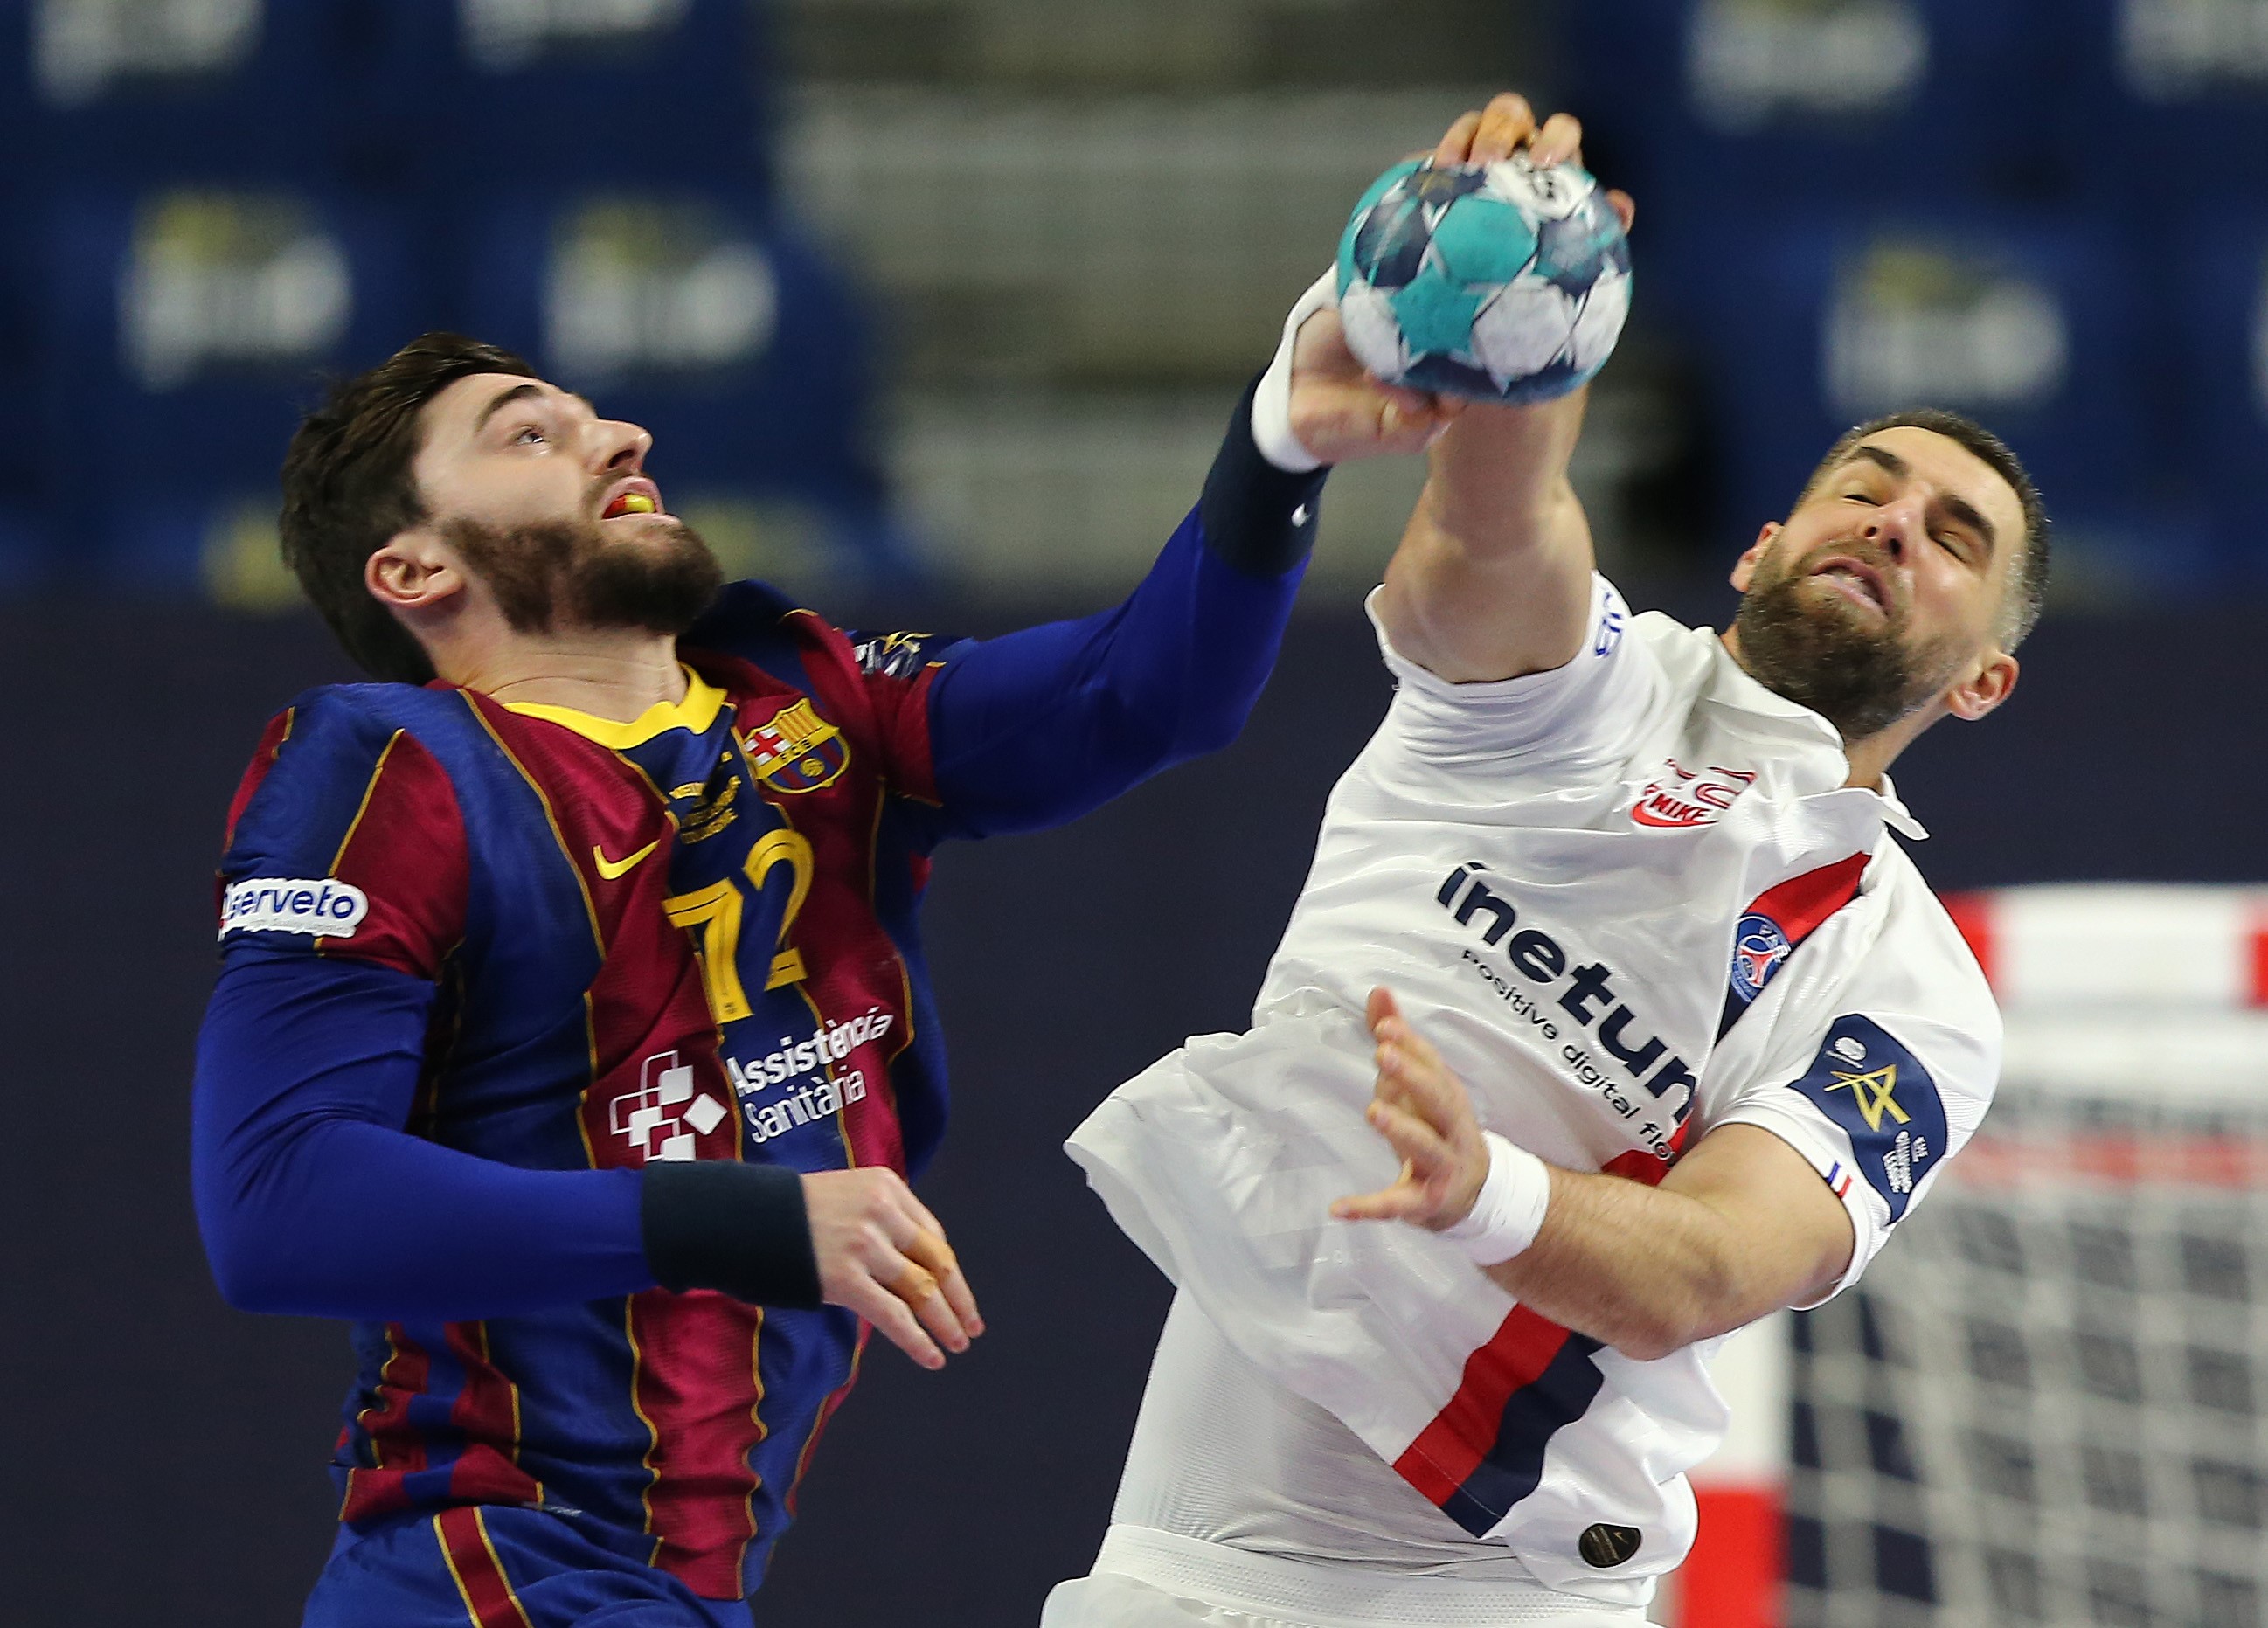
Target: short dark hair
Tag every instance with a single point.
(2027, 586)
(348, 489)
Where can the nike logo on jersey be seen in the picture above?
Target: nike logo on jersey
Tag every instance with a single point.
(1685, 796)
(612, 868)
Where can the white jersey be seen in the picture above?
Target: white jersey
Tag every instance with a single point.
(1630, 899)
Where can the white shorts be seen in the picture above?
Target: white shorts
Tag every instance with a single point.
(1148, 1578)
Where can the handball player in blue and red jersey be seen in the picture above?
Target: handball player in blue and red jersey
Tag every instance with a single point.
(573, 1036)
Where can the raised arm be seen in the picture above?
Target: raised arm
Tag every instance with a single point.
(1492, 576)
(1040, 725)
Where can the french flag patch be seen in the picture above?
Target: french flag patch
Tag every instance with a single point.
(1839, 1179)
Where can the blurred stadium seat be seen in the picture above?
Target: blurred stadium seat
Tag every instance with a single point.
(2216, 381)
(396, 93)
(1853, 205)
(1083, 228)
(1078, 292)
(2020, 322)
(174, 331)
(2167, 96)
(291, 91)
(696, 315)
(624, 92)
(1721, 108)
(1144, 238)
(230, 195)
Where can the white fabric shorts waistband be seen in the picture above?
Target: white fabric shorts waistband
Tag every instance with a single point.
(1333, 1596)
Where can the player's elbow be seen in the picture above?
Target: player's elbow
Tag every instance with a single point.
(1203, 718)
(1649, 1338)
(253, 1265)
(1136, 737)
(249, 1278)
(1679, 1307)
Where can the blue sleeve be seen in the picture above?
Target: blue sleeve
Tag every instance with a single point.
(1039, 727)
(313, 1198)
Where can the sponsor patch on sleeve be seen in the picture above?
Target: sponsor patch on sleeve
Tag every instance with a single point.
(897, 655)
(320, 909)
(1884, 1100)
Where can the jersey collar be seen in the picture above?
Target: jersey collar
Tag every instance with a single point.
(699, 709)
(1734, 685)
(1896, 815)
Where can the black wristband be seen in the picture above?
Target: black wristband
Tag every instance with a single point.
(721, 1224)
(1256, 516)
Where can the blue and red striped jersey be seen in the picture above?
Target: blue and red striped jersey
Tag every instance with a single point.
(690, 936)
(692, 940)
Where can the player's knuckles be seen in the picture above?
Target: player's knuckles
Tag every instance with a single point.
(862, 1294)
(1507, 109)
(931, 1250)
(1508, 122)
(877, 1250)
(884, 1188)
(1458, 136)
(1410, 1141)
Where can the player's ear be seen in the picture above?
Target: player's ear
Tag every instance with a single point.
(1988, 685)
(1744, 569)
(415, 570)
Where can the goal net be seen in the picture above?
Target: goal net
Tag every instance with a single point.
(2048, 1400)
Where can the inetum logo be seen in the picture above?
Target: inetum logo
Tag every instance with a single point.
(320, 909)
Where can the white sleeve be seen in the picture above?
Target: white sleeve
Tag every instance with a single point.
(1887, 1088)
(1588, 708)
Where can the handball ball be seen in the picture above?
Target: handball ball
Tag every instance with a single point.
(1498, 282)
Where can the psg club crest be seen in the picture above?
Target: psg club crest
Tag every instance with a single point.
(1685, 796)
(797, 751)
(1758, 948)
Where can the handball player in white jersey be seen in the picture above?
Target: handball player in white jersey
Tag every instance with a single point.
(1612, 1017)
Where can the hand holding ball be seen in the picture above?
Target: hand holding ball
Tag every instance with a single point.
(1497, 281)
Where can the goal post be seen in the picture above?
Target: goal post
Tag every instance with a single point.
(2047, 1402)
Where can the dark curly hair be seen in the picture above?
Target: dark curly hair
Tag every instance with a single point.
(348, 489)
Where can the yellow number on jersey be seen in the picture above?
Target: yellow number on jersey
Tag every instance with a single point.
(716, 911)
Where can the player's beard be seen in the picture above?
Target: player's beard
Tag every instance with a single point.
(1814, 648)
(566, 574)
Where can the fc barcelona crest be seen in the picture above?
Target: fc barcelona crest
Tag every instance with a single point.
(797, 751)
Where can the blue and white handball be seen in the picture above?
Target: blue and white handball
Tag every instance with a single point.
(1500, 282)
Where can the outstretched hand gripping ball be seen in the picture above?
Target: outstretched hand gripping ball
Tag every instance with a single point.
(1497, 282)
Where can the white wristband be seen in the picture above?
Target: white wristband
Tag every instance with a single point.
(1271, 403)
(1509, 1212)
